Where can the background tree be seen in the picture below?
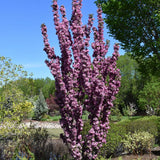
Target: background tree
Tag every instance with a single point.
(52, 105)
(13, 105)
(48, 87)
(136, 25)
(27, 86)
(9, 71)
(149, 97)
(131, 82)
(10, 94)
(31, 87)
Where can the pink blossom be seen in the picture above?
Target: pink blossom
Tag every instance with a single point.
(81, 83)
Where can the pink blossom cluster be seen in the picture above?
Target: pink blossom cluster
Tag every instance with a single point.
(80, 83)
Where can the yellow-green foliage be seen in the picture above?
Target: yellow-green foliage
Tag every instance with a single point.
(12, 119)
(139, 142)
(13, 106)
(13, 109)
(22, 110)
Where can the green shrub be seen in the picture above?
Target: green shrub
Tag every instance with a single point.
(118, 130)
(129, 110)
(115, 114)
(114, 137)
(31, 142)
(138, 142)
(145, 124)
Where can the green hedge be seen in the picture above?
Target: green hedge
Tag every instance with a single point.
(119, 130)
(147, 124)
(113, 147)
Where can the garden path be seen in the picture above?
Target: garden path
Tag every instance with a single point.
(41, 124)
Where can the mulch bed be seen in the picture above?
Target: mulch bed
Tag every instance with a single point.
(135, 157)
(155, 154)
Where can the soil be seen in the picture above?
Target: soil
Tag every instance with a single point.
(135, 157)
(154, 155)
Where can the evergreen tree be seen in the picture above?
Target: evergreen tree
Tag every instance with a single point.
(41, 107)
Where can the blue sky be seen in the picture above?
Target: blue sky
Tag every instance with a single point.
(20, 33)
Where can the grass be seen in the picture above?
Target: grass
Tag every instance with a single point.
(57, 118)
(85, 117)
(50, 118)
(54, 132)
(123, 118)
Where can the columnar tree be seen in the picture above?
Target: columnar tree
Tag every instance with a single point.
(80, 83)
(41, 107)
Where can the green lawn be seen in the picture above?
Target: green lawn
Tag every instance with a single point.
(50, 118)
(54, 132)
(57, 118)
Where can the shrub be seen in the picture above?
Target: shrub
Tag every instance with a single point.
(113, 147)
(23, 109)
(34, 143)
(56, 149)
(129, 110)
(138, 142)
(16, 145)
(146, 124)
(117, 132)
(115, 114)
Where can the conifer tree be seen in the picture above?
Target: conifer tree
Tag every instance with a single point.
(41, 107)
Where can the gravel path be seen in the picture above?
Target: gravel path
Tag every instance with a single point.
(41, 124)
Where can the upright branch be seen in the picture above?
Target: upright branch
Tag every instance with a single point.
(81, 84)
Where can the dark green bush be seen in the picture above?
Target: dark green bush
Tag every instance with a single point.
(147, 124)
(115, 114)
(44, 147)
(113, 147)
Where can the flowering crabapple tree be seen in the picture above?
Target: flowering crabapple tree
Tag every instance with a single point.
(82, 84)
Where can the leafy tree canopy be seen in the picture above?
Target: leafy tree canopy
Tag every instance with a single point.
(13, 106)
(130, 81)
(9, 71)
(149, 100)
(136, 24)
